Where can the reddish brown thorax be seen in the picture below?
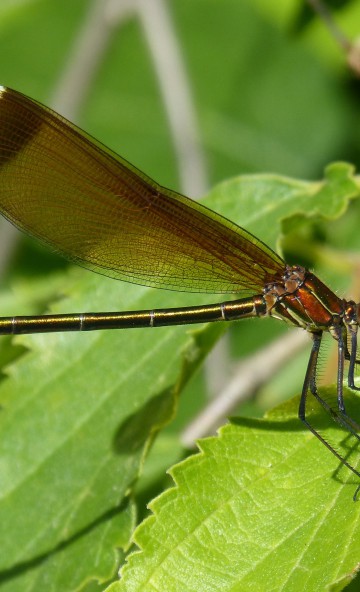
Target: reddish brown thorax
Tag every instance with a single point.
(302, 299)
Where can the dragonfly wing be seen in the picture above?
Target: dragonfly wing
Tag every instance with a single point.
(68, 190)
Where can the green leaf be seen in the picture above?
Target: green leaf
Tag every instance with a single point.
(248, 123)
(262, 507)
(268, 205)
(79, 411)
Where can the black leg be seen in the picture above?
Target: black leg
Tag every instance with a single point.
(341, 339)
(310, 377)
(342, 347)
(343, 418)
(310, 386)
(353, 360)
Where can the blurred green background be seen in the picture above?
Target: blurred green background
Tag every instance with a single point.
(270, 88)
(271, 92)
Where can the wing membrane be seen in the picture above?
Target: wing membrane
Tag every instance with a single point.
(87, 203)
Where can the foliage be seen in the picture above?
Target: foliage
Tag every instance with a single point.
(263, 505)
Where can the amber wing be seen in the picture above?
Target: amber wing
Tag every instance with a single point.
(71, 192)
